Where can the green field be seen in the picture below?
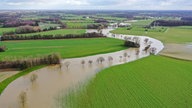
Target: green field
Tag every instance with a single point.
(67, 48)
(171, 35)
(47, 25)
(77, 25)
(6, 30)
(58, 32)
(152, 82)
(142, 23)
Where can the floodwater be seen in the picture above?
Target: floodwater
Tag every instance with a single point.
(6, 73)
(181, 51)
(42, 92)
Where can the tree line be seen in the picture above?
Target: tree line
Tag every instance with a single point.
(171, 23)
(39, 36)
(30, 62)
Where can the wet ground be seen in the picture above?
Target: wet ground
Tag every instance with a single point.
(181, 51)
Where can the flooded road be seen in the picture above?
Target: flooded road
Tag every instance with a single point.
(42, 91)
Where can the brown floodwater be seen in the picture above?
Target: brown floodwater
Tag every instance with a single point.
(42, 92)
(181, 51)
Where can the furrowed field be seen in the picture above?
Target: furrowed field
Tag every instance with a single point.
(153, 82)
(67, 48)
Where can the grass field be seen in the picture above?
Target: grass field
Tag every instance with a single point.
(77, 25)
(153, 82)
(6, 30)
(67, 48)
(47, 25)
(58, 32)
(171, 35)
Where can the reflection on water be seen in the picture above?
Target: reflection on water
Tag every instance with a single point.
(53, 79)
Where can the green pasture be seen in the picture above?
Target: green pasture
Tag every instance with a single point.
(58, 32)
(68, 48)
(166, 35)
(152, 82)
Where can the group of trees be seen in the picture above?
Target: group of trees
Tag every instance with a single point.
(171, 23)
(27, 29)
(17, 23)
(96, 26)
(30, 62)
(101, 20)
(35, 37)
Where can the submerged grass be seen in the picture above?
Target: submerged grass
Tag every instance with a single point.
(152, 82)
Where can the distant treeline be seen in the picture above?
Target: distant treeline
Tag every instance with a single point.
(30, 62)
(171, 23)
(38, 37)
(187, 19)
(96, 26)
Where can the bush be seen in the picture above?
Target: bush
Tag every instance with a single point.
(2, 48)
(131, 44)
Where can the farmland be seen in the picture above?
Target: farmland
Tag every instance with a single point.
(167, 35)
(58, 32)
(153, 82)
(6, 30)
(157, 81)
(67, 48)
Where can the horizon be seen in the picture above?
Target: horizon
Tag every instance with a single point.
(95, 5)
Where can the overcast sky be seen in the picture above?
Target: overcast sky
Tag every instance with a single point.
(98, 4)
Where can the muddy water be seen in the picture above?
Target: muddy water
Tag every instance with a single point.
(51, 80)
(182, 51)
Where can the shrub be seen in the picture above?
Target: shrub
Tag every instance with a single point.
(2, 48)
(131, 44)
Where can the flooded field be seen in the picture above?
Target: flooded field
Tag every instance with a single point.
(7, 73)
(40, 88)
(182, 51)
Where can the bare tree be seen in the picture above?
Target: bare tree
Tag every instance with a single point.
(83, 62)
(23, 99)
(125, 54)
(137, 52)
(146, 40)
(100, 60)
(67, 64)
(90, 62)
(33, 78)
(110, 58)
(153, 50)
(147, 47)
